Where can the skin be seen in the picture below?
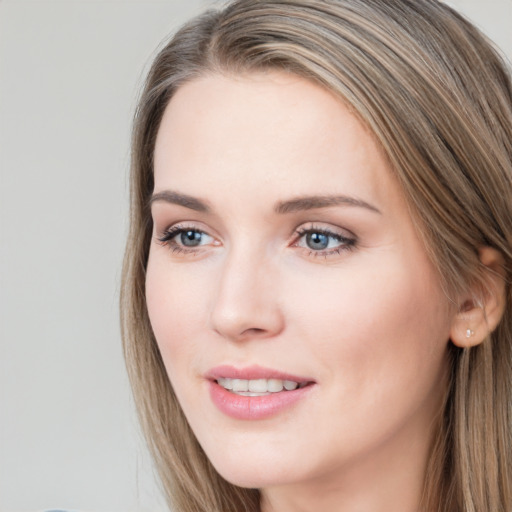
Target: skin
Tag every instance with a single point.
(368, 322)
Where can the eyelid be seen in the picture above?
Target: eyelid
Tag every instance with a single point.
(173, 231)
(325, 228)
(163, 228)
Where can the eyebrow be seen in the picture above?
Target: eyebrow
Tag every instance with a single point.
(169, 196)
(282, 207)
(312, 202)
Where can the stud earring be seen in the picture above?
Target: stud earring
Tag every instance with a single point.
(469, 333)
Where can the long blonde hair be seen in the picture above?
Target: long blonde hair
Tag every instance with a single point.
(438, 98)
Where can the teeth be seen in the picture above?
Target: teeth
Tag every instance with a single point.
(275, 385)
(226, 383)
(240, 385)
(289, 385)
(257, 387)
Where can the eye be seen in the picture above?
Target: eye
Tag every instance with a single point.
(323, 241)
(191, 238)
(319, 241)
(185, 238)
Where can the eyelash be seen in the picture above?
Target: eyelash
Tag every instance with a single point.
(167, 238)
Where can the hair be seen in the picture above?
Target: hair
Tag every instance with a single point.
(437, 97)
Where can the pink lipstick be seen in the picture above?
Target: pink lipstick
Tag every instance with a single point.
(255, 392)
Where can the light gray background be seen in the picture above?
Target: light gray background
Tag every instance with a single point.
(69, 75)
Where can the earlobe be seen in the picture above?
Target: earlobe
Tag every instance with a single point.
(470, 326)
(480, 313)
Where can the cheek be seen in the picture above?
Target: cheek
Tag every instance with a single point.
(176, 308)
(378, 335)
(382, 321)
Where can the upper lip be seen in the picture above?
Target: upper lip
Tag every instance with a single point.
(252, 373)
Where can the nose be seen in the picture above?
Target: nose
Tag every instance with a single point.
(246, 304)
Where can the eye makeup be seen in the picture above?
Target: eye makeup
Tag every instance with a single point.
(316, 240)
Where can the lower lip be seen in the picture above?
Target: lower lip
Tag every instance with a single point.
(255, 407)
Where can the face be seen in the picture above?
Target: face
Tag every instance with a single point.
(285, 265)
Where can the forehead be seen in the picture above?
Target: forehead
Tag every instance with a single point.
(271, 128)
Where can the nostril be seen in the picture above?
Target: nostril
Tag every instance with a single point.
(253, 331)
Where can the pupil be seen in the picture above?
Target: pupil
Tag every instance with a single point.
(190, 238)
(317, 241)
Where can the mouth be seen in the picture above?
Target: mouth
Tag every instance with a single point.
(259, 387)
(255, 392)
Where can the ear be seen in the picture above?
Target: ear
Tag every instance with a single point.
(481, 310)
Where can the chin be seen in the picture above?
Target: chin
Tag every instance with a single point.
(257, 479)
(243, 471)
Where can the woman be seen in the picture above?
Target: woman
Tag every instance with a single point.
(317, 286)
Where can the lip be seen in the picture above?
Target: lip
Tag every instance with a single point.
(255, 407)
(252, 373)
